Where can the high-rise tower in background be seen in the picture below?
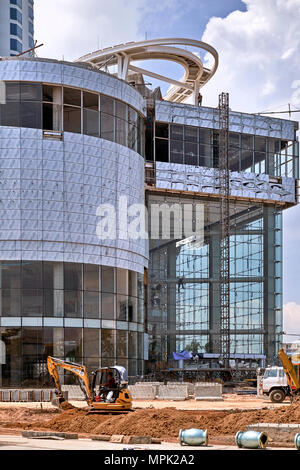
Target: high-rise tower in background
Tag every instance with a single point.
(16, 27)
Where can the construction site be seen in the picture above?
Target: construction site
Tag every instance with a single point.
(161, 334)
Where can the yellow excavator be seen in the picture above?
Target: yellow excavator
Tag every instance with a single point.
(102, 398)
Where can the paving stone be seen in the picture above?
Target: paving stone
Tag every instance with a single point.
(117, 438)
(137, 440)
(35, 434)
(100, 438)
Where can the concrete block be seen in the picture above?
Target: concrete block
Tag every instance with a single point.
(14, 395)
(47, 395)
(154, 440)
(172, 392)
(189, 385)
(208, 391)
(74, 392)
(37, 395)
(6, 395)
(117, 438)
(101, 437)
(143, 391)
(45, 434)
(137, 440)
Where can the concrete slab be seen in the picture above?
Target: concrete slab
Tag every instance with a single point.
(62, 435)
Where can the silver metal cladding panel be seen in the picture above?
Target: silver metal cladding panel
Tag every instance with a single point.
(60, 73)
(206, 180)
(238, 122)
(50, 191)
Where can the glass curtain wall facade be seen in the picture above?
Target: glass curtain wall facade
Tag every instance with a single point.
(184, 283)
(58, 108)
(200, 147)
(68, 295)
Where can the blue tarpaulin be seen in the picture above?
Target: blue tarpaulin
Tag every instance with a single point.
(181, 355)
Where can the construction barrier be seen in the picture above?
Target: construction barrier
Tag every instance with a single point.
(74, 392)
(208, 391)
(143, 391)
(172, 392)
(26, 395)
(190, 386)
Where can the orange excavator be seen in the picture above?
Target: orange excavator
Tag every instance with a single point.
(101, 398)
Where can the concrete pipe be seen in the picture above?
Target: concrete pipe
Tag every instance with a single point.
(251, 439)
(193, 437)
(297, 441)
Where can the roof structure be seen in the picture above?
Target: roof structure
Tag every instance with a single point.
(195, 74)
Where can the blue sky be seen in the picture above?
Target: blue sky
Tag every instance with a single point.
(258, 42)
(185, 18)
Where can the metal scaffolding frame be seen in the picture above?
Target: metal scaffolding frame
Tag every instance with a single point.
(224, 227)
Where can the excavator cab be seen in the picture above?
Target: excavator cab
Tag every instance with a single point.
(108, 383)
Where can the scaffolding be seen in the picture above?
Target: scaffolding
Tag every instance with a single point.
(224, 227)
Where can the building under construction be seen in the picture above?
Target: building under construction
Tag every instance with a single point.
(206, 284)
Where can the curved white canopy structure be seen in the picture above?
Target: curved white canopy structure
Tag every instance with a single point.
(195, 74)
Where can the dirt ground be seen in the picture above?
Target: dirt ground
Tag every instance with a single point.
(164, 421)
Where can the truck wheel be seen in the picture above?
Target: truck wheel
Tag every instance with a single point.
(277, 396)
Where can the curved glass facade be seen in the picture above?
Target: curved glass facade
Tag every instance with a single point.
(79, 312)
(62, 108)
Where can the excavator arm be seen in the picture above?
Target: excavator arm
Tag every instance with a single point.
(290, 373)
(77, 369)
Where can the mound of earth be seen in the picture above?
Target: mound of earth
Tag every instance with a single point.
(162, 423)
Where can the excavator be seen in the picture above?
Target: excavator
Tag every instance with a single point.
(115, 399)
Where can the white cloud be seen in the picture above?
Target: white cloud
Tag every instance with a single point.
(291, 321)
(259, 52)
(71, 28)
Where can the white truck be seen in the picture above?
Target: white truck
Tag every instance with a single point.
(273, 384)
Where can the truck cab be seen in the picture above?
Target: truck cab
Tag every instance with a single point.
(274, 384)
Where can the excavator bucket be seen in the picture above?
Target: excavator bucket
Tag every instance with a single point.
(57, 401)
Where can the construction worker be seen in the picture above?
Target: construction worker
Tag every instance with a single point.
(199, 99)
(111, 381)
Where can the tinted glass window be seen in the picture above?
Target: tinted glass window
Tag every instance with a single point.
(15, 30)
(30, 13)
(91, 122)
(30, 28)
(72, 96)
(13, 91)
(107, 126)
(107, 104)
(107, 279)
(16, 2)
(15, 45)
(72, 119)
(31, 115)
(31, 91)
(15, 15)
(90, 101)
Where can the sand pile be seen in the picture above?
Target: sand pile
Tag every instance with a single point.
(160, 423)
(76, 420)
(168, 421)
